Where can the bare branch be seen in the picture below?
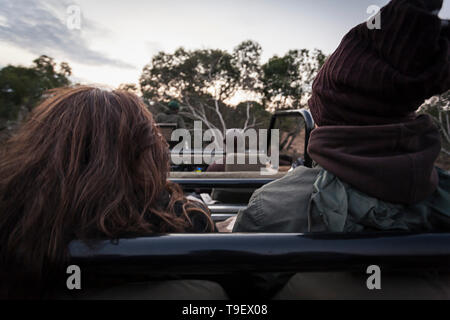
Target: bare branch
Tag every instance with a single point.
(219, 114)
(254, 124)
(248, 116)
(448, 122)
(444, 132)
(445, 151)
(202, 117)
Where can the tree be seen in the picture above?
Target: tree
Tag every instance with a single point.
(438, 107)
(130, 87)
(21, 88)
(206, 82)
(48, 76)
(249, 114)
(287, 80)
(247, 58)
(202, 80)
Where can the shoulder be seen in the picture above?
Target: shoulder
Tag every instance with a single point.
(301, 177)
(280, 206)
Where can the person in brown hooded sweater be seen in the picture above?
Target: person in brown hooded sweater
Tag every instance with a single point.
(375, 155)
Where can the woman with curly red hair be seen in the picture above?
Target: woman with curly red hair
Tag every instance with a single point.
(88, 164)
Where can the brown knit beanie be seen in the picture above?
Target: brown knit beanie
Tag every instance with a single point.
(382, 76)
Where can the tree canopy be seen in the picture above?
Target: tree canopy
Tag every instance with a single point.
(22, 87)
(207, 81)
(287, 80)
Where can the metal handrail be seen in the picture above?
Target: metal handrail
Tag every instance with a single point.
(223, 253)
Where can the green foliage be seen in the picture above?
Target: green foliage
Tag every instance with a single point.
(258, 117)
(22, 87)
(189, 74)
(204, 81)
(287, 80)
(247, 59)
(130, 87)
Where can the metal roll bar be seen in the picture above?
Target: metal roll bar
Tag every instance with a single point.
(225, 253)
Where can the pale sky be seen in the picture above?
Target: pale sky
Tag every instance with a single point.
(118, 38)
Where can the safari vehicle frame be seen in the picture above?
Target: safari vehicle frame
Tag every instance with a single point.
(204, 254)
(303, 115)
(306, 116)
(189, 255)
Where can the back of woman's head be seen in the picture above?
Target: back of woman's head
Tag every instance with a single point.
(87, 164)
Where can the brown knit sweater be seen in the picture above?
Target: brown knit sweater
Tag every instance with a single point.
(365, 97)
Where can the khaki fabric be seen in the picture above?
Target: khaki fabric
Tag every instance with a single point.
(315, 200)
(280, 206)
(352, 286)
(338, 207)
